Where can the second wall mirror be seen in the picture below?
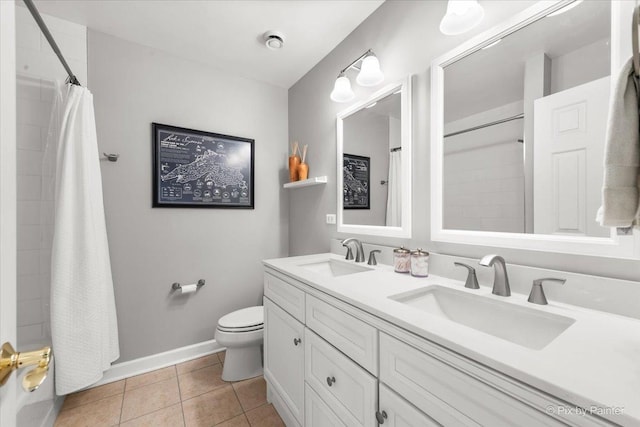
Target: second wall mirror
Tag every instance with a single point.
(374, 164)
(519, 115)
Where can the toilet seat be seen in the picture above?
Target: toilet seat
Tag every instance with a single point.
(244, 320)
(245, 329)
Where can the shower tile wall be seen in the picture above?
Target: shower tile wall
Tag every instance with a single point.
(37, 69)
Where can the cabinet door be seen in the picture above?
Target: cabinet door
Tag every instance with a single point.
(284, 357)
(345, 387)
(317, 413)
(397, 412)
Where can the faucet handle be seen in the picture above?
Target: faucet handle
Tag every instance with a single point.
(472, 279)
(372, 257)
(349, 255)
(537, 292)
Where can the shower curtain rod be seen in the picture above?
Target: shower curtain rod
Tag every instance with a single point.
(47, 34)
(486, 125)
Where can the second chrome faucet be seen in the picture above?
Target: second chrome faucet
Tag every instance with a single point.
(501, 279)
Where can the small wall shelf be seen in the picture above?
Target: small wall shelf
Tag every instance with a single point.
(318, 180)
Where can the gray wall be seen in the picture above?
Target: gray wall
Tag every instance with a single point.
(152, 248)
(405, 37)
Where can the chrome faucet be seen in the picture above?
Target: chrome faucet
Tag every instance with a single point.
(500, 280)
(359, 249)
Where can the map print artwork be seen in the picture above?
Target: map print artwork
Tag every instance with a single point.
(202, 169)
(355, 191)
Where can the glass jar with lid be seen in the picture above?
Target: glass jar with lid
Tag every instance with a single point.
(419, 263)
(402, 260)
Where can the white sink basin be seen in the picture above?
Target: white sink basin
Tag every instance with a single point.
(524, 326)
(334, 268)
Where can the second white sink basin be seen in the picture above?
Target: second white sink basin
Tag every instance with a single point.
(334, 268)
(524, 326)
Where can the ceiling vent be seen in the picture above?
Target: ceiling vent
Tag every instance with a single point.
(273, 40)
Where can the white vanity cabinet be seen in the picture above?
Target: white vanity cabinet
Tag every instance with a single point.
(352, 368)
(284, 357)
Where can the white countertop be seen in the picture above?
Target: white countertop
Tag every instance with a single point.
(594, 363)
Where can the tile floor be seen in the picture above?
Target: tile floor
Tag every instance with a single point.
(190, 394)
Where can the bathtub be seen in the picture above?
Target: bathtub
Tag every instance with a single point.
(40, 407)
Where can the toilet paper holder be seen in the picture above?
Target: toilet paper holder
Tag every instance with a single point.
(176, 286)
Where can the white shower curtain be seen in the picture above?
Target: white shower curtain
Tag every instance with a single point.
(84, 329)
(394, 193)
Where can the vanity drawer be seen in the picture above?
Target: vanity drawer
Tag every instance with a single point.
(287, 296)
(317, 413)
(400, 413)
(448, 395)
(351, 336)
(345, 387)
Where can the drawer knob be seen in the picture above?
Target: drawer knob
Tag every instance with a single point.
(381, 416)
(296, 341)
(331, 381)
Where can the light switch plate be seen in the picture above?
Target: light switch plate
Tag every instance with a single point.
(331, 218)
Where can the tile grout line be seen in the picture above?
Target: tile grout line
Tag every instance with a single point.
(92, 401)
(122, 403)
(146, 385)
(244, 412)
(184, 422)
(148, 413)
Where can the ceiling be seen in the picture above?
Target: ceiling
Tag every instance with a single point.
(226, 34)
(495, 76)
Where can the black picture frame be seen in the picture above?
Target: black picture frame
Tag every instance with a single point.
(356, 188)
(204, 157)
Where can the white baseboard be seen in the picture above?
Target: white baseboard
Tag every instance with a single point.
(146, 364)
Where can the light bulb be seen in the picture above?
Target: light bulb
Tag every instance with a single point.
(342, 91)
(461, 16)
(370, 73)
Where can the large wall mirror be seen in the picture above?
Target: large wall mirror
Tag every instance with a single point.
(374, 164)
(519, 117)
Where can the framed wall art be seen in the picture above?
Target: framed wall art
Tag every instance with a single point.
(198, 169)
(356, 175)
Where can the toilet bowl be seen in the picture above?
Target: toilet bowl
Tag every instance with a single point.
(241, 333)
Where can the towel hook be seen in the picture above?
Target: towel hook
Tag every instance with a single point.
(111, 157)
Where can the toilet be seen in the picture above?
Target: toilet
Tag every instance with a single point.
(241, 333)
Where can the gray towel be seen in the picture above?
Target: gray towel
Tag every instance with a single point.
(621, 186)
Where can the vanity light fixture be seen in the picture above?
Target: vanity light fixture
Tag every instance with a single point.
(369, 75)
(565, 9)
(461, 16)
(342, 91)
